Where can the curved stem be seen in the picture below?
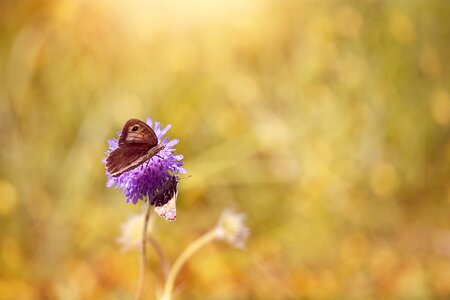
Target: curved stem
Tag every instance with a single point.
(181, 260)
(165, 266)
(140, 287)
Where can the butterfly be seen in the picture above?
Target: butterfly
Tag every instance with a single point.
(137, 144)
(165, 199)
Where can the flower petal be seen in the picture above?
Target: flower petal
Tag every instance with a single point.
(149, 122)
(164, 130)
(172, 143)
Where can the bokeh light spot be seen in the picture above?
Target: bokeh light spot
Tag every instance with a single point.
(384, 179)
(8, 196)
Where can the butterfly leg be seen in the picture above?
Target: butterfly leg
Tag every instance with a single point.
(148, 161)
(145, 164)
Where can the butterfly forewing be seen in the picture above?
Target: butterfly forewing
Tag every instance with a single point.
(166, 192)
(137, 132)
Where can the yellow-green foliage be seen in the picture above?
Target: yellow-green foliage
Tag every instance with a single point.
(325, 122)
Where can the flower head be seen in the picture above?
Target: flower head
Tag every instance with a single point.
(232, 229)
(146, 180)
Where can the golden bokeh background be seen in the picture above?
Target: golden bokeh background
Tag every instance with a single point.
(325, 122)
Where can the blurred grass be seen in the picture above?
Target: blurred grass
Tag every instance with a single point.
(326, 122)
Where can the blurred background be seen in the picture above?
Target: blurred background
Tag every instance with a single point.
(325, 122)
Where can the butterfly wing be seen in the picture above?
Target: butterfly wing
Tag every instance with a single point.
(137, 132)
(169, 210)
(126, 158)
(165, 200)
(137, 143)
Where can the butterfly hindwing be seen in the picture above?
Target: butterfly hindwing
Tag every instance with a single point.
(124, 159)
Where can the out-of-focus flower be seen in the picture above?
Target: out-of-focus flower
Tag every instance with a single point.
(146, 180)
(232, 229)
(131, 231)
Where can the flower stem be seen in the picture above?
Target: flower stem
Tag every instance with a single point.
(181, 260)
(141, 282)
(165, 266)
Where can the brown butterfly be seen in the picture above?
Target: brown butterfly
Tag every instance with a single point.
(137, 144)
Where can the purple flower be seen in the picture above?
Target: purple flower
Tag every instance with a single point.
(146, 180)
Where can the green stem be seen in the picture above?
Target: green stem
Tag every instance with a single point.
(141, 282)
(161, 257)
(181, 260)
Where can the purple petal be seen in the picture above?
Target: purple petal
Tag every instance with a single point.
(157, 126)
(164, 130)
(149, 122)
(172, 143)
